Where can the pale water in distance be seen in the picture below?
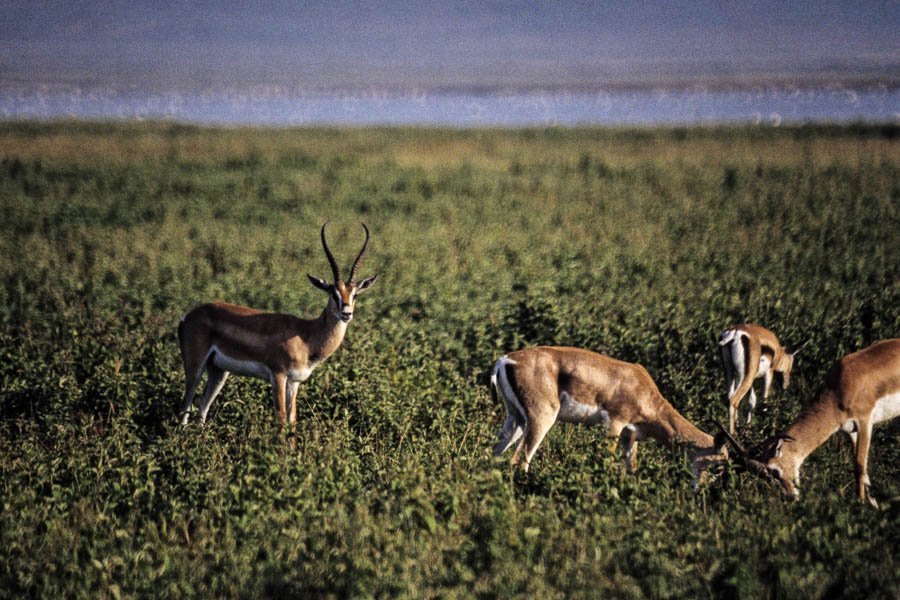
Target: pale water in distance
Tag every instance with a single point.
(278, 107)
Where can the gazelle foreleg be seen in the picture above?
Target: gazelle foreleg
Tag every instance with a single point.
(751, 404)
(290, 393)
(767, 385)
(767, 379)
(851, 428)
(862, 460)
(279, 393)
(628, 440)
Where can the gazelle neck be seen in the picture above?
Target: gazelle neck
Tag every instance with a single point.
(816, 423)
(327, 334)
(674, 427)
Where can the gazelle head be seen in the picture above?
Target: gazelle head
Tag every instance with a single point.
(780, 466)
(342, 294)
(788, 362)
(768, 460)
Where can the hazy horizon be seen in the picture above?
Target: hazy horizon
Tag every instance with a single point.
(434, 46)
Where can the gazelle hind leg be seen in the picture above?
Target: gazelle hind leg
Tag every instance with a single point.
(512, 431)
(190, 389)
(516, 419)
(732, 416)
(215, 379)
(536, 429)
(191, 383)
(516, 423)
(193, 373)
(730, 375)
(733, 358)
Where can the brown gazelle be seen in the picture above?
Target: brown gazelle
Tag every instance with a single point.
(283, 349)
(860, 390)
(541, 385)
(748, 353)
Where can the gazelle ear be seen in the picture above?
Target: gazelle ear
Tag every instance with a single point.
(319, 283)
(365, 283)
(778, 446)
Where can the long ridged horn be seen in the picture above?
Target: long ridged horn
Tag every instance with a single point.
(751, 464)
(359, 256)
(731, 440)
(335, 270)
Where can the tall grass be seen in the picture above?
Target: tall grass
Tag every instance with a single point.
(640, 243)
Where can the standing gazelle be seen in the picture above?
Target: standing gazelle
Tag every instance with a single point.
(750, 352)
(860, 390)
(222, 338)
(544, 384)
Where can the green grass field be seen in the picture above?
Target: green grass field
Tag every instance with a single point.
(643, 244)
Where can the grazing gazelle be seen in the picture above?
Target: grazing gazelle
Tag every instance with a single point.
(860, 390)
(544, 384)
(283, 349)
(750, 352)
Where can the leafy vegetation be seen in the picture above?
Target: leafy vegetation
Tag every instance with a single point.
(640, 243)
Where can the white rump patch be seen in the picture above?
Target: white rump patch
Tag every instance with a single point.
(516, 419)
(506, 391)
(573, 411)
(727, 336)
(733, 355)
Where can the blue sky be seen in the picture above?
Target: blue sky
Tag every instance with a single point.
(426, 45)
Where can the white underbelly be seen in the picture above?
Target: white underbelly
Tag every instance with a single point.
(572, 411)
(248, 368)
(886, 408)
(764, 364)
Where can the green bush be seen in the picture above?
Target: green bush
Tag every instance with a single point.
(640, 243)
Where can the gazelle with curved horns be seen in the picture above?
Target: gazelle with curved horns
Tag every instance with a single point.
(223, 338)
(543, 385)
(748, 353)
(860, 390)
